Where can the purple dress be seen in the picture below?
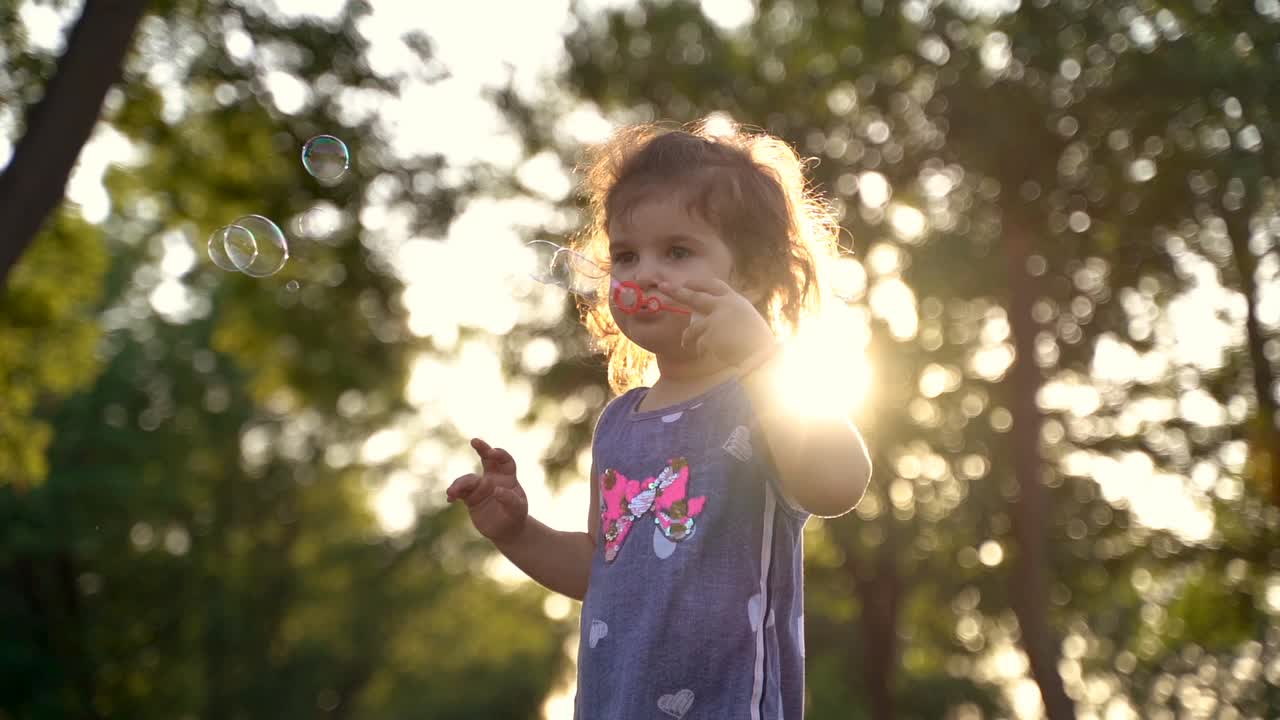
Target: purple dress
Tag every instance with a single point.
(695, 607)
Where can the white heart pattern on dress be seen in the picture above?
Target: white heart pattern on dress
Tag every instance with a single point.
(676, 705)
(769, 622)
(753, 610)
(598, 632)
(662, 547)
(739, 443)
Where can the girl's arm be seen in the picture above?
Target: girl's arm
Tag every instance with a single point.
(823, 463)
(557, 559)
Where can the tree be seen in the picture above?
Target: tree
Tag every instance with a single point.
(998, 168)
(33, 183)
(200, 541)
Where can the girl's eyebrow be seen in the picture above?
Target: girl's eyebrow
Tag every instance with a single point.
(668, 238)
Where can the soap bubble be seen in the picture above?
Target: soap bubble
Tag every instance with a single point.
(232, 247)
(272, 250)
(566, 269)
(319, 222)
(241, 246)
(326, 158)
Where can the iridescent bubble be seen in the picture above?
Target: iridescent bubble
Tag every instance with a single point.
(566, 269)
(241, 246)
(272, 250)
(325, 157)
(232, 247)
(319, 222)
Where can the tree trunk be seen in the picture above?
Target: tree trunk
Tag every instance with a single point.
(1029, 580)
(52, 597)
(1265, 441)
(881, 593)
(59, 124)
(219, 625)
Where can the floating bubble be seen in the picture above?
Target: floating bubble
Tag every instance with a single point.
(567, 269)
(318, 222)
(272, 250)
(292, 286)
(232, 247)
(325, 157)
(241, 246)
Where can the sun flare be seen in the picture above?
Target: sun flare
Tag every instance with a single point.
(826, 370)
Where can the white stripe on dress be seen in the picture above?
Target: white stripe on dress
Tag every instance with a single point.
(766, 553)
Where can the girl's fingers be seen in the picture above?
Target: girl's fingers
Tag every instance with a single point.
(695, 331)
(693, 340)
(708, 286)
(697, 299)
(493, 459)
(511, 499)
(462, 488)
(481, 447)
(500, 460)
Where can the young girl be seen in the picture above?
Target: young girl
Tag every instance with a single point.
(690, 573)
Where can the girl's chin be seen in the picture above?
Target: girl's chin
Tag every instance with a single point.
(652, 329)
(664, 344)
(667, 349)
(660, 334)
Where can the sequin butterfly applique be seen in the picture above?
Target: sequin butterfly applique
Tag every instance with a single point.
(624, 501)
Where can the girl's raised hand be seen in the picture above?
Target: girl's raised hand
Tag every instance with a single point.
(724, 323)
(497, 503)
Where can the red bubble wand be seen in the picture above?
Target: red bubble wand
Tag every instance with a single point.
(638, 301)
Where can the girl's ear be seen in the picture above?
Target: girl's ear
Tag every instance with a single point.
(749, 287)
(755, 294)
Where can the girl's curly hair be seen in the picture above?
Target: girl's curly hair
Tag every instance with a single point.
(748, 185)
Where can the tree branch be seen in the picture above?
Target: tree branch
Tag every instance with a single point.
(59, 124)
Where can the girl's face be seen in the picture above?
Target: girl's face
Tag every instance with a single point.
(659, 240)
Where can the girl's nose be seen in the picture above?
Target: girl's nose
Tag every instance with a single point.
(648, 274)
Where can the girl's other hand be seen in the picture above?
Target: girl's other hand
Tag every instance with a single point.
(497, 503)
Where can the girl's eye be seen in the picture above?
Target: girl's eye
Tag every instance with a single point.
(676, 251)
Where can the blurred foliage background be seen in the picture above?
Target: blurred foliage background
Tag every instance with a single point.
(220, 496)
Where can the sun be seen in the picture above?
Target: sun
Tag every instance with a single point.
(825, 367)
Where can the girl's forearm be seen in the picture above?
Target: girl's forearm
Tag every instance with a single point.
(822, 461)
(556, 559)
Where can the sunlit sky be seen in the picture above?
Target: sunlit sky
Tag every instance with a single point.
(483, 249)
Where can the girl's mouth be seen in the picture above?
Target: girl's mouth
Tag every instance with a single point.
(630, 299)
